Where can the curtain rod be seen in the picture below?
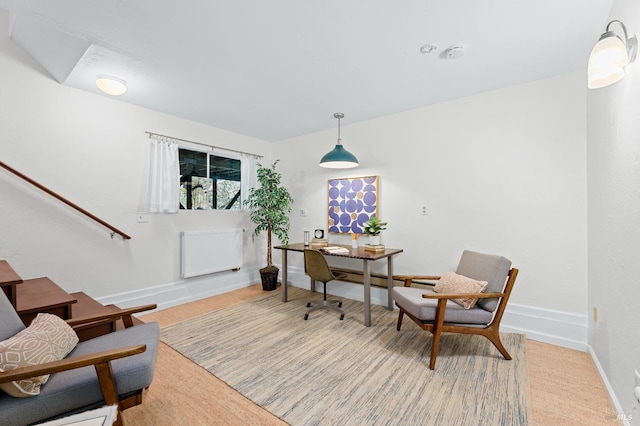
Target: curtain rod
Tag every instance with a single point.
(151, 134)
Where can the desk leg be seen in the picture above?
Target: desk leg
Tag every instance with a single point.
(367, 293)
(284, 275)
(389, 283)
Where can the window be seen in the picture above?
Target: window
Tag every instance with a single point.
(209, 181)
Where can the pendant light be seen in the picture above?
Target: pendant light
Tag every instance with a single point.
(609, 57)
(339, 158)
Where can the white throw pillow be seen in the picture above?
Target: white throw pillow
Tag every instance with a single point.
(48, 338)
(452, 283)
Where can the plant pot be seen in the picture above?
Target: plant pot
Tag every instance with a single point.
(269, 277)
(374, 240)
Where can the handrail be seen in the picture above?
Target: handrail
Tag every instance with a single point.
(64, 200)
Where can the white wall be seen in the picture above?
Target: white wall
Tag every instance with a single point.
(501, 172)
(614, 223)
(93, 150)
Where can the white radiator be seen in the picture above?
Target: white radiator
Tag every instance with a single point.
(206, 252)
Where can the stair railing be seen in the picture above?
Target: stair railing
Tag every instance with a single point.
(113, 229)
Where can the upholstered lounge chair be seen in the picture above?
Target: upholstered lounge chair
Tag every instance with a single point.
(111, 369)
(437, 313)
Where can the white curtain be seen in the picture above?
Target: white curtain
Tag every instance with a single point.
(164, 177)
(248, 179)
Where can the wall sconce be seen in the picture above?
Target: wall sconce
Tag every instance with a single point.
(609, 57)
(111, 85)
(339, 158)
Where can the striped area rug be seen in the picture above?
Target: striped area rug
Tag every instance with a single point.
(330, 372)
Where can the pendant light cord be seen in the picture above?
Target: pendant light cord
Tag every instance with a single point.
(339, 115)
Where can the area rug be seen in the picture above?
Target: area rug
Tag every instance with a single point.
(324, 371)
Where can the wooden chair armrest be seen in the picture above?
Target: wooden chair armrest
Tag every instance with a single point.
(409, 278)
(70, 363)
(461, 295)
(125, 314)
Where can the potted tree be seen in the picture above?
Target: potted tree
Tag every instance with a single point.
(373, 227)
(269, 206)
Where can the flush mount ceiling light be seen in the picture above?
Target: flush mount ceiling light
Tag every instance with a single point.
(609, 57)
(339, 158)
(111, 85)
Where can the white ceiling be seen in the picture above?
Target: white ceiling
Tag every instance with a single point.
(281, 68)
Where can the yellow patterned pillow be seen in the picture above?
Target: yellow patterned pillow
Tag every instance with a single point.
(452, 283)
(48, 338)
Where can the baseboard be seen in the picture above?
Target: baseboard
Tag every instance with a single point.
(297, 278)
(620, 414)
(545, 325)
(185, 290)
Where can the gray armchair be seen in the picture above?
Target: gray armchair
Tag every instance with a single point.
(111, 369)
(437, 313)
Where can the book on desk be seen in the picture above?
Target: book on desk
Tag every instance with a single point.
(319, 242)
(374, 247)
(334, 250)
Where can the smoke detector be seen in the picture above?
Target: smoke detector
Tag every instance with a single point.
(428, 48)
(454, 52)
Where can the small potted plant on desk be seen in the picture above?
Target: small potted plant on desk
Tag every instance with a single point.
(269, 205)
(373, 227)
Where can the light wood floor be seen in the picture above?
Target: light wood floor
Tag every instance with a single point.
(565, 386)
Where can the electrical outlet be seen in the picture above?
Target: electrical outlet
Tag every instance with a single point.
(303, 212)
(423, 210)
(142, 218)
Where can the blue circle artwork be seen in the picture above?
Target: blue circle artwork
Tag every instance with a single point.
(352, 202)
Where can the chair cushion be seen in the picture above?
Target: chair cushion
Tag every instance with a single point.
(485, 267)
(74, 389)
(48, 338)
(450, 282)
(411, 300)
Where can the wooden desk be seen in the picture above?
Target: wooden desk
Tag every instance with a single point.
(354, 253)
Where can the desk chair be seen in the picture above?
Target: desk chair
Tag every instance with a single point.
(316, 267)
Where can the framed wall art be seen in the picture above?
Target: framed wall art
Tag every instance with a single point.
(352, 202)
